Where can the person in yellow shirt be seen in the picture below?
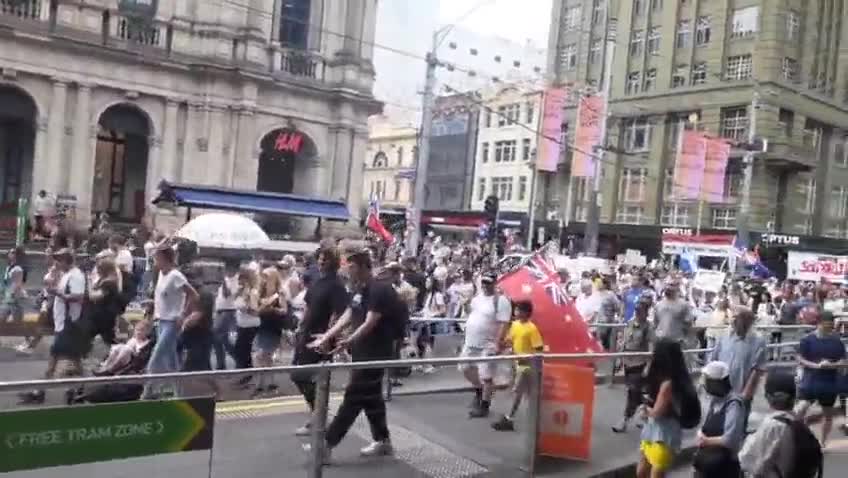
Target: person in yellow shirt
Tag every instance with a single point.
(525, 339)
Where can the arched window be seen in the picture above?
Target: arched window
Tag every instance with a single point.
(380, 160)
(294, 23)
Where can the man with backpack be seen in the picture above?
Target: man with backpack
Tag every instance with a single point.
(378, 318)
(782, 446)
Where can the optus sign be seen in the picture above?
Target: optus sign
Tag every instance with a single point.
(808, 266)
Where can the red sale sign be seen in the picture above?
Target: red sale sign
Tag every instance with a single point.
(810, 266)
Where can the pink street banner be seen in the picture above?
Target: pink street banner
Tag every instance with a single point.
(715, 167)
(548, 154)
(689, 167)
(588, 136)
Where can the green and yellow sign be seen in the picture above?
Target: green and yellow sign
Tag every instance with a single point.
(41, 438)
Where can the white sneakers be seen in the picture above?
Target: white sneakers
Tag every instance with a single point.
(378, 448)
(304, 431)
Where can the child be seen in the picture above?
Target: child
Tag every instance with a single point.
(121, 354)
(526, 339)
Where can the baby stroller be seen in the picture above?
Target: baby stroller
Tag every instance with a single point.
(119, 392)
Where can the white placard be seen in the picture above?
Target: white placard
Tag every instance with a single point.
(709, 281)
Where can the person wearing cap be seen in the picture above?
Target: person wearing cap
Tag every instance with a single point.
(822, 354)
(485, 331)
(723, 431)
(638, 337)
(769, 451)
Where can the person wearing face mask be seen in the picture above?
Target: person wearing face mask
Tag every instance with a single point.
(723, 432)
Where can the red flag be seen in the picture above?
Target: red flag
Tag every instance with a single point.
(554, 313)
(373, 223)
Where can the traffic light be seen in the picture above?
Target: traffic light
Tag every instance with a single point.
(490, 207)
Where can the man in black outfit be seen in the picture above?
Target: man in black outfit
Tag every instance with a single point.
(376, 313)
(326, 300)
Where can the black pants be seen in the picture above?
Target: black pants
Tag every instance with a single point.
(305, 382)
(243, 349)
(633, 379)
(104, 325)
(364, 392)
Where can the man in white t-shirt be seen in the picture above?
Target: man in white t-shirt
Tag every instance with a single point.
(485, 331)
(173, 298)
(123, 256)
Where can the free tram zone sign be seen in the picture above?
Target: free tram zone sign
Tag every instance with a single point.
(48, 437)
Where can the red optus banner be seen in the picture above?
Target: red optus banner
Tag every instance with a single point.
(562, 328)
(715, 167)
(549, 151)
(689, 166)
(588, 136)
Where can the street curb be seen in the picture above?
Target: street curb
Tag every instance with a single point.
(683, 458)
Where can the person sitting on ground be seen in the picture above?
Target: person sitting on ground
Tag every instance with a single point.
(525, 339)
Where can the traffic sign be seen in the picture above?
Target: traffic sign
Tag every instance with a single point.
(42, 438)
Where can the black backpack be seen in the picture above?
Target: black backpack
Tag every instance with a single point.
(808, 461)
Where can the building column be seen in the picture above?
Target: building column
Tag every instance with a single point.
(192, 143)
(54, 174)
(216, 163)
(169, 170)
(246, 167)
(39, 158)
(154, 166)
(82, 155)
(353, 193)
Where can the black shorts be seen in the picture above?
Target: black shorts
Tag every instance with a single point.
(826, 400)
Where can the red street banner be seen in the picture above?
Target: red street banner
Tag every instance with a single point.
(689, 167)
(561, 326)
(374, 223)
(587, 136)
(548, 155)
(718, 152)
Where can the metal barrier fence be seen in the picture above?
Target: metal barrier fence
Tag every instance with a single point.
(322, 373)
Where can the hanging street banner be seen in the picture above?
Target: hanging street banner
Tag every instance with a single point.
(548, 154)
(689, 166)
(587, 137)
(61, 436)
(715, 168)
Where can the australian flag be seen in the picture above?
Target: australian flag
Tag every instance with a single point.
(751, 260)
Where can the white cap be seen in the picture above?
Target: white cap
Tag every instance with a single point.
(716, 370)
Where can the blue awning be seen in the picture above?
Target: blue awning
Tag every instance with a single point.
(211, 197)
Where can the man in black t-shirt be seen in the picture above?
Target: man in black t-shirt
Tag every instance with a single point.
(375, 314)
(326, 300)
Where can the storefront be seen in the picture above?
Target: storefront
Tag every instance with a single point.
(774, 249)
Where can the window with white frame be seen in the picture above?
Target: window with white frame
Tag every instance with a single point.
(582, 190)
(836, 230)
(807, 226)
(581, 212)
(529, 112)
(654, 40)
(631, 184)
(597, 12)
(637, 134)
(789, 68)
(481, 189)
(675, 215)
(793, 25)
(629, 215)
(684, 30)
(526, 149)
(839, 155)
(732, 185)
(505, 151)
(699, 73)
(724, 218)
(502, 188)
(668, 184)
(745, 22)
(595, 51)
(739, 67)
(522, 187)
(397, 189)
(637, 40)
(812, 134)
(678, 78)
(839, 201)
(484, 153)
(571, 19)
(703, 30)
(734, 123)
(568, 57)
(807, 188)
(634, 82)
(650, 79)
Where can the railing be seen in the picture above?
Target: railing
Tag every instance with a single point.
(296, 63)
(150, 35)
(30, 9)
(323, 373)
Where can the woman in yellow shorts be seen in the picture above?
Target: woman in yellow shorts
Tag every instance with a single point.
(662, 433)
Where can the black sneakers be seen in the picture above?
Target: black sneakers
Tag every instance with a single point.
(504, 425)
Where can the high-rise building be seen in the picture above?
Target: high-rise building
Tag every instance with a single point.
(674, 58)
(266, 95)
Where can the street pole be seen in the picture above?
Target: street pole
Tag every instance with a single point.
(743, 220)
(423, 148)
(594, 219)
(534, 172)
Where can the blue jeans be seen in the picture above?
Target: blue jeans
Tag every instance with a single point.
(225, 322)
(164, 357)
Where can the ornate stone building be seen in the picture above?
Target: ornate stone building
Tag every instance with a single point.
(269, 95)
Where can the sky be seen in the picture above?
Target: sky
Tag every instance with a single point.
(516, 20)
